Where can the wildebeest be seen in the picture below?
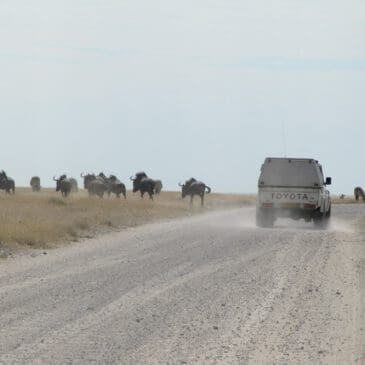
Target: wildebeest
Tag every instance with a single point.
(359, 192)
(99, 184)
(87, 179)
(74, 185)
(35, 183)
(7, 183)
(95, 185)
(158, 187)
(193, 187)
(64, 185)
(144, 184)
(115, 186)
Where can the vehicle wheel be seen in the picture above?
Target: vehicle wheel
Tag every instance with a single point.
(328, 214)
(318, 220)
(264, 218)
(321, 221)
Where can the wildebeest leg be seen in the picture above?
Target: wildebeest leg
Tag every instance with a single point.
(202, 199)
(142, 193)
(191, 199)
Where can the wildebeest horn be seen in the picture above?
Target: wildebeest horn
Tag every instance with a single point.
(82, 174)
(54, 178)
(180, 184)
(132, 178)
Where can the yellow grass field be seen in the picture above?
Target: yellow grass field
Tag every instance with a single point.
(45, 219)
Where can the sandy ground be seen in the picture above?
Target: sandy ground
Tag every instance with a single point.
(210, 289)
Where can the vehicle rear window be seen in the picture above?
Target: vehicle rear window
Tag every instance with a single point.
(291, 173)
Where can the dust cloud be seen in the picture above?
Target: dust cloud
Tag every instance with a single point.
(335, 225)
(340, 225)
(245, 218)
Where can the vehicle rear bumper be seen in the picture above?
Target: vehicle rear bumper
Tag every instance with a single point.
(293, 211)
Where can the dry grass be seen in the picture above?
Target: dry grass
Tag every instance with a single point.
(347, 200)
(44, 219)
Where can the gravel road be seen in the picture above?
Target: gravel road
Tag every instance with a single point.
(211, 289)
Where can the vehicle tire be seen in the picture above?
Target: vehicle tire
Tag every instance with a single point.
(321, 220)
(264, 218)
(328, 214)
(318, 220)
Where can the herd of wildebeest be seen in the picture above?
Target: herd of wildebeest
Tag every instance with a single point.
(98, 185)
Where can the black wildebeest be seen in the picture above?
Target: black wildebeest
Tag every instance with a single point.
(144, 184)
(7, 183)
(359, 192)
(35, 183)
(63, 184)
(193, 187)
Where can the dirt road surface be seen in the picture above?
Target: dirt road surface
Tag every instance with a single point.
(211, 289)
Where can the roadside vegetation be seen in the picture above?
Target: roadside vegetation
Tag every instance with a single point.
(346, 200)
(45, 219)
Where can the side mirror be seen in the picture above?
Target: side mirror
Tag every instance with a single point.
(328, 180)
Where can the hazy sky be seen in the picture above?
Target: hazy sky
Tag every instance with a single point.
(182, 88)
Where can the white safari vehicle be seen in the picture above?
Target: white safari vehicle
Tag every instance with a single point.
(294, 188)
